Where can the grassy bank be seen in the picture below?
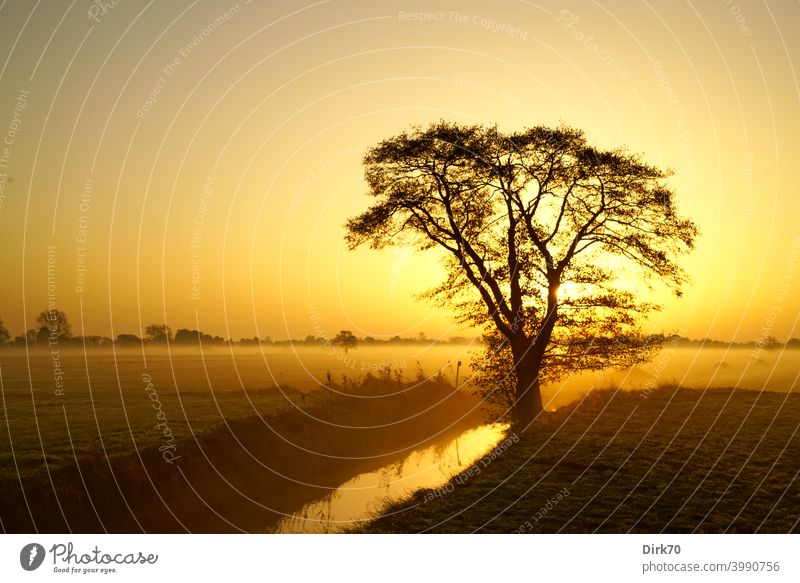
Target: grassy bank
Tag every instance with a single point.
(673, 461)
(243, 475)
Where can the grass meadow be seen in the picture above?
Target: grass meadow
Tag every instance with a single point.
(107, 406)
(243, 454)
(228, 440)
(676, 461)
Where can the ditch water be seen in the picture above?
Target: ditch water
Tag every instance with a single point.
(365, 495)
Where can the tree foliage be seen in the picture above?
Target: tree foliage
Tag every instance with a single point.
(548, 242)
(346, 340)
(158, 333)
(4, 335)
(53, 326)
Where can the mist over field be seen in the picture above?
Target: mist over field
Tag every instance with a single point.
(298, 368)
(115, 397)
(695, 368)
(168, 408)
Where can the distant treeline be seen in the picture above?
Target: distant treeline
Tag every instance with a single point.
(186, 336)
(768, 342)
(54, 329)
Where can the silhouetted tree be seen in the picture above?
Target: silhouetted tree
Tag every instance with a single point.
(541, 232)
(768, 342)
(185, 336)
(53, 326)
(346, 339)
(158, 333)
(128, 339)
(93, 340)
(4, 335)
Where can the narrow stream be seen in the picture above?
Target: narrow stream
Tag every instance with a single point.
(366, 494)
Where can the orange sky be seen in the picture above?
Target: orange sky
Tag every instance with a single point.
(199, 159)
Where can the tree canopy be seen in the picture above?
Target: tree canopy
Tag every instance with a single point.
(346, 340)
(548, 241)
(53, 326)
(158, 333)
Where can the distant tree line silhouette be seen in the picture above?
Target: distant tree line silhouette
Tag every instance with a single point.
(53, 328)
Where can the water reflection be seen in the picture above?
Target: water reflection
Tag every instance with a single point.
(366, 494)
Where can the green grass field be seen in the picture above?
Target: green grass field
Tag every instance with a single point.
(110, 411)
(259, 438)
(242, 475)
(676, 461)
(104, 405)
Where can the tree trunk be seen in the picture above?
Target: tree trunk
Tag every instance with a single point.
(528, 403)
(528, 357)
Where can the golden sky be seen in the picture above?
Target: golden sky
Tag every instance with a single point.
(199, 159)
